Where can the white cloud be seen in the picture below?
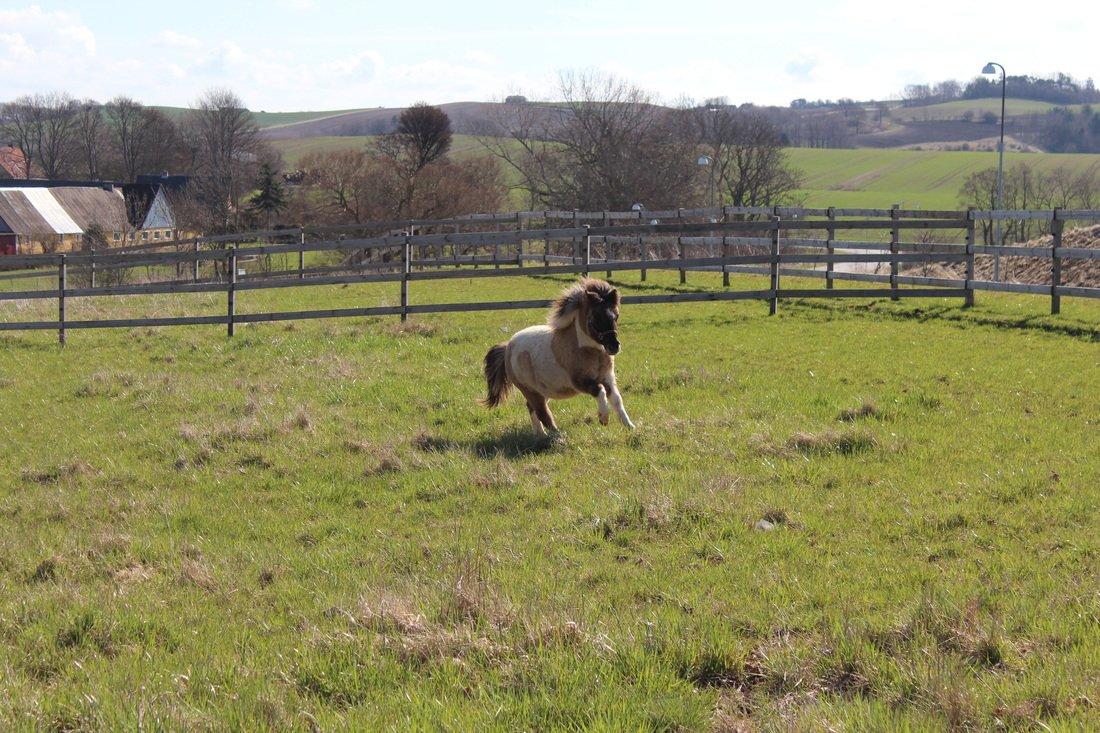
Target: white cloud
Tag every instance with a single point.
(177, 40)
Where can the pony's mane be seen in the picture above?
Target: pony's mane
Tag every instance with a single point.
(567, 305)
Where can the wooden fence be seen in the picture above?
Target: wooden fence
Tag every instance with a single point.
(774, 242)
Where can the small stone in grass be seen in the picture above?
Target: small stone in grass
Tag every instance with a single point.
(763, 525)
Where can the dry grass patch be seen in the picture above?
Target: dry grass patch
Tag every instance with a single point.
(413, 328)
(839, 442)
(865, 410)
(56, 474)
(193, 571)
(299, 420)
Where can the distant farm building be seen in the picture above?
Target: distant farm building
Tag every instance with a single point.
(13, 164)
(53, 216)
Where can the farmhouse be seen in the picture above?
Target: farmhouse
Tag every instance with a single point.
(53, 216)
(13, 164)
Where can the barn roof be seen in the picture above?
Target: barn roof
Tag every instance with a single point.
(62, 210)
(87, 206)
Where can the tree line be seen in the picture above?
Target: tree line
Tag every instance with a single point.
(605, 144)
(1057, 89)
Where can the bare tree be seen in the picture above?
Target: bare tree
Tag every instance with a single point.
(90, 136)
(127, 126)
(750, 166)
(607, 145)
(20, 123)
(55, 143)
(226, 150)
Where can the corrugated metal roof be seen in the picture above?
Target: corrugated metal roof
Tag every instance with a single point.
(62, 210)
(21, 215)
(87, 205)
(50, 209)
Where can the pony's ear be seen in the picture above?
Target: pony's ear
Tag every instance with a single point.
(593, 296)
(613, 298)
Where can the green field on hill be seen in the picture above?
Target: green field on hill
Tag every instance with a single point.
(315, 525)
(956, 109)
(269, 119)
(833, 177)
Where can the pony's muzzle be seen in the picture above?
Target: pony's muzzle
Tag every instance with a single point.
(610, 343)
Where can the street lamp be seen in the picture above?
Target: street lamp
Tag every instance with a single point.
(706, 160)
(991, 68)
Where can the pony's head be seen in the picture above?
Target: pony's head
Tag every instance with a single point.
(594, 306)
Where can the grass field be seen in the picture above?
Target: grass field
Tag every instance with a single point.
(914, 178)
(956, 109)
(271, 119)
(315, 525)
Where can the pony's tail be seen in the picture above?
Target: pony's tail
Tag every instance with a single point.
(496, 375)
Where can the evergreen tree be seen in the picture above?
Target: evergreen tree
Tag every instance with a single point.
(270, 198)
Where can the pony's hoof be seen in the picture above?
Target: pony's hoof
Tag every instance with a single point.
(605, 420)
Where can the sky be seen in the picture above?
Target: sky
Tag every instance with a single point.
(286, 55)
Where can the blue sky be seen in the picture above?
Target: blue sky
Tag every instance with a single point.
(285, 55)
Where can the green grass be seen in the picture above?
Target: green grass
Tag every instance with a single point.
(914, 178)
(956, 109)
(315, 524)
(271, 119)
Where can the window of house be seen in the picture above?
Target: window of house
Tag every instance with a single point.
(144, 236)
(156, 234)
(118, 236)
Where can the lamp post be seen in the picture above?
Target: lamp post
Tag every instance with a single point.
(706, 160)
(991, 68)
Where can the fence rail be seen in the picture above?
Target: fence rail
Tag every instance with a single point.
(415, 257)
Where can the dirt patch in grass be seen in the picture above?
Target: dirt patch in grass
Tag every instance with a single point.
(45, 571)
(864, 411)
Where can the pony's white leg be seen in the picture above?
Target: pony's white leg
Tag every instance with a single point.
(602, 406)
(540, 431)
(620, 408)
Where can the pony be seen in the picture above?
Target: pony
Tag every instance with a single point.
(574, 353)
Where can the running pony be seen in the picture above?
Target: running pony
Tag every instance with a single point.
(573, 354)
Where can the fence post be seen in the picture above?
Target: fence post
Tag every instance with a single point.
(607, 241)
(546, 240)
(1056, 225)
(969, 301)
(231, 292)
(895, 236)
(642, 249)
(195, 264)
(519, 244)
(680, 248)
(91, 267)
(830, 248)
(773, 305)
(405, 280)
(62, 284)
(302, 255)
(587, 249)
(576, 242)
(725, 265)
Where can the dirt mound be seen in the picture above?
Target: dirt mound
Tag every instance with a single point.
(1034, 270)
